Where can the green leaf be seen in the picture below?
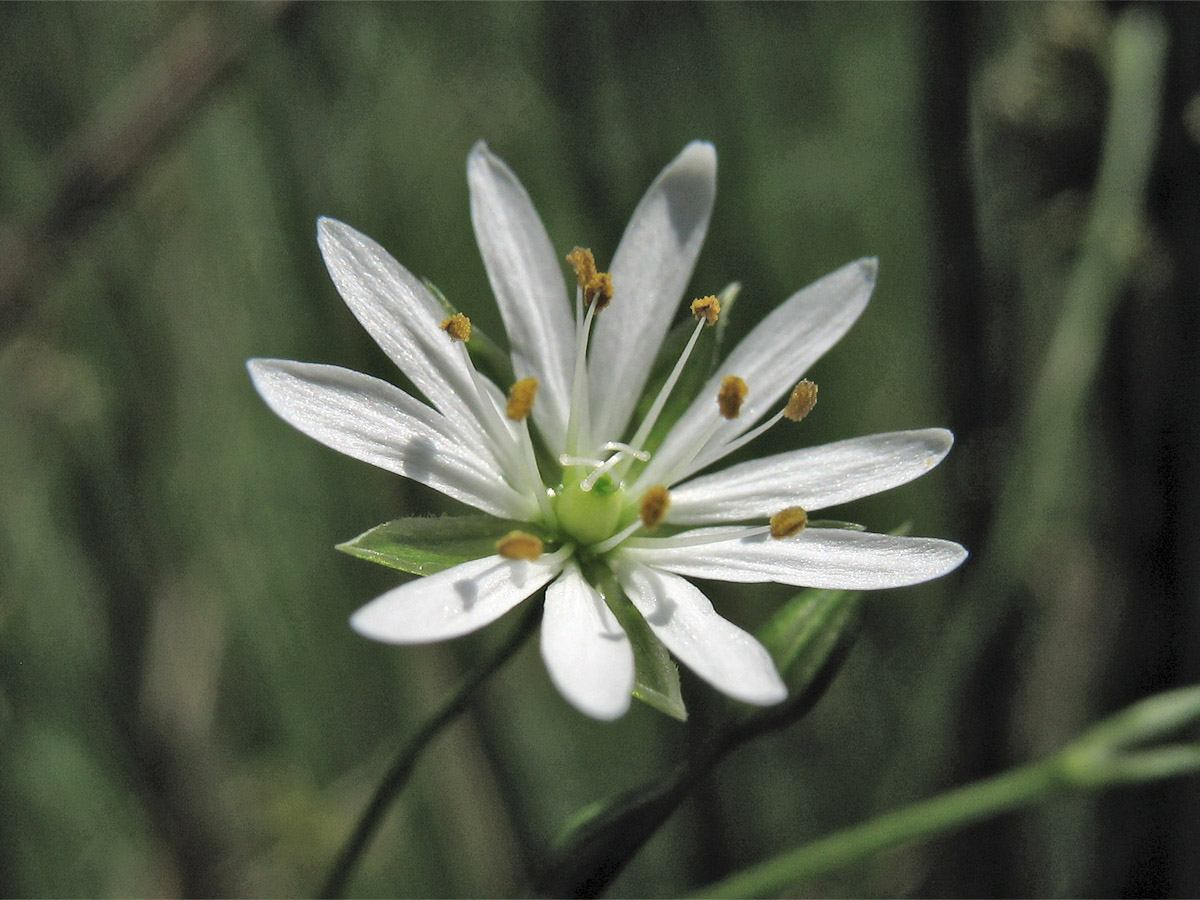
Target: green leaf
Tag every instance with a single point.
(423, 546)
(657, 677)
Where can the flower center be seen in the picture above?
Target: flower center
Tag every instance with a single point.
(590, 516)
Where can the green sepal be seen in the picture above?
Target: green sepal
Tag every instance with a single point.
(657, 680)
(705, 356)
(808, 638)
(423, 546)
(485, 353)
(805, 631)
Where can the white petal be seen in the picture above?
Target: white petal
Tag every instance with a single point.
(818, 557)
(650, 270)
(404, 318)
(527, 279)
(378, 423)
(455, 601)
(725, 656)
(585, 649)
(814, 478)
(770, 359)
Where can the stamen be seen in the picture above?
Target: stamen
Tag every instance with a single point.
(458, 327)
(514, 452)
(698, 537)
(596, 285)
(788, 522)
(664, 393)
(533, 473)
(707, 309)
(803, 393)
(654, 506)
(584, 264)
(519, 545)
(802, 401)
(598, 292)
(731, 396)
(621, 536)
(580, 417)
(520, 398)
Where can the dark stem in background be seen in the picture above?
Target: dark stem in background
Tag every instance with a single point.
(593, 857)
(397, 775)
(1149, 424)
(115, 145)
(980, 400)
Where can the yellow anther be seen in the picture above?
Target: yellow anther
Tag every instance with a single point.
(519, 545)
(599, 291)
(788, 522)
(458, 327)
(803, 399)
(654, 506)
(706, 308)
(520, 398)
(731, 396)
(597, 285)
(584, 264)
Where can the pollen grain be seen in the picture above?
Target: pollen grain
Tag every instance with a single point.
(653, 509)
(458, 327)
(788, 522)
(707, 309)
(519, 545)
(598, 291)
(801, 402)
(584, 264)
(520, 398)
(731, 396)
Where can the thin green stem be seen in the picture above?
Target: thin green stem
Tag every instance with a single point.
(1109, 754)
(983, 799)
(397, 775)
(1053, 428)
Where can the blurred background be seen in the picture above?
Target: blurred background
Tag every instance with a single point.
(183, 709)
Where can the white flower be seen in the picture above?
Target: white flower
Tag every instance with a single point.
(587, 478)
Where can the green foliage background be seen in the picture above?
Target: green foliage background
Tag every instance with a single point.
(183, 710)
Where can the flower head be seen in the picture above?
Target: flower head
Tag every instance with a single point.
(600, 496)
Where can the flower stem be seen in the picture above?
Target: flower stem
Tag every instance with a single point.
(1119, 750)
(983, 799)
(401, 768)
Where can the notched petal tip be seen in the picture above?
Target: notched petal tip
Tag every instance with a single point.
(870, 268)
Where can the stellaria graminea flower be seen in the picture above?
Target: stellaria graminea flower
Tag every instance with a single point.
(596, 496)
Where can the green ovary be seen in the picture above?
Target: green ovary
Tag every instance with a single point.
(590, 516)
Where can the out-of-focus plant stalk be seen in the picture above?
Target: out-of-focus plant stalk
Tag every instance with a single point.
(1111, 238)
(1105, 756)
(397, 775)
(1053, 429)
